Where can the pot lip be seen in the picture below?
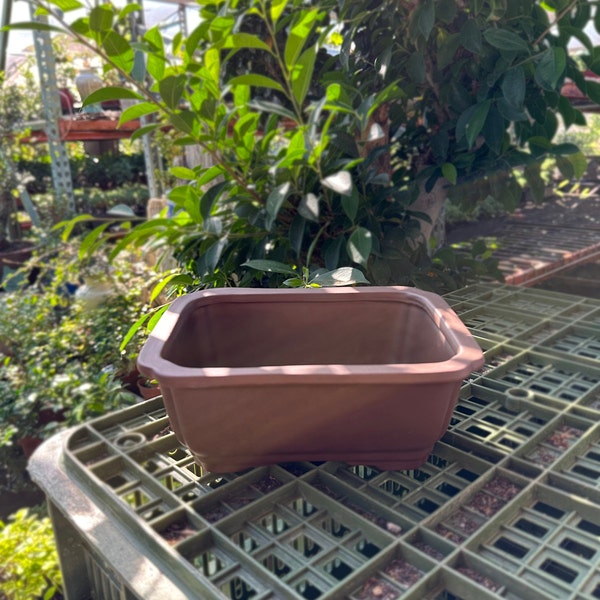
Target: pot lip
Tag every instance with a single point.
(467, 356)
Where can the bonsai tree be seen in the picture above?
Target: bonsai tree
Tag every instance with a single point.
(333, 132)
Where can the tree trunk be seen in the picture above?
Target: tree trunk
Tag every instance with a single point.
(431, 203)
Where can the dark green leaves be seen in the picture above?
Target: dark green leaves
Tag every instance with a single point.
(359, 245)
(514, 86)
(275, 201)
(471, 122)
(422, 19)
(550, 68)
(470, 36)
(506, 40)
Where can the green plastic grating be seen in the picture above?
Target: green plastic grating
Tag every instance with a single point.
(548, 539)
(506, 506)
(575, 341)
(581, 465)
(500, 420)
(546, 379)
(491, 322)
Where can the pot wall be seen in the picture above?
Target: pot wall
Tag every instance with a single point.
(252, 377)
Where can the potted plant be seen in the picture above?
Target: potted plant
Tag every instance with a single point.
(60, 360)
(333, 132)
(13, 250)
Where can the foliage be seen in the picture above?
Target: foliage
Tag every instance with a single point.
(59, 355)
(586, 137)
(337, 129)
(108, 171)
(105, 172)
(28, 558)
(11, 115)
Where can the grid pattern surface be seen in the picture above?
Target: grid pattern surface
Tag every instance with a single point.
(506, 506)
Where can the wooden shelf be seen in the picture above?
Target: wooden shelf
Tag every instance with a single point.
(80, 128)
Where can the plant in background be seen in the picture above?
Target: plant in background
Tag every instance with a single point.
(11, 115)
(60, 361)
(335, 131)
(28, 558)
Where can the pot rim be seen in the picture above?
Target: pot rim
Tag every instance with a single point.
(467, 356)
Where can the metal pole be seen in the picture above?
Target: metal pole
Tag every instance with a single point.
(4, 20)
(61, 169)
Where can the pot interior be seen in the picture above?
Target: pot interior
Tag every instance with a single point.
(308, 331)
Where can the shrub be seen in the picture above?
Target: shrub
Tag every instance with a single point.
(28, 558)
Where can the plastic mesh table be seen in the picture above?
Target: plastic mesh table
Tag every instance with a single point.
(506, 506)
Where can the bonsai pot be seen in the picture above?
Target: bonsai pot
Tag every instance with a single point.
(147, 388)
(15, 254)
(257, 376)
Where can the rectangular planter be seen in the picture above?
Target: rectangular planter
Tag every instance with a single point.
(258, 376)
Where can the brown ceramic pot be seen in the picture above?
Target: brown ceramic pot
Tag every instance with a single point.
(258, 376)
(147, 389)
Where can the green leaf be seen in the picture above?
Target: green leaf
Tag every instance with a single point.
(171, 89)
(277, 7)
(92, 241)
(134, 329)
(136, 111)
(592, 90)
(213, 255)
(446, 51)
(415, 67)
(449, 172)
(68, 226)
(494, 130)
(550, 68)
(340, 277)
(111, 93)
(445, 10)
(67, 5)
(296, 233)
(155, 318)
(34, 26)
(309, 208)
(208, 199)
(359, 245)
(274, 203)
(119, 51)
(578, 163)
(470, 36)
(422, 19)
(156, 59)
(184, 120)
(256, 81)
(340, 182)
(270, 266)
(245, 40)
(183, 173)
(332, 249)
(101, 18)
(471, 122)
(513, 87)
(160, 286)
(502, 39)
(142, 131)
(302, 74)
(350, 204)
(271, 107)
(564, 149)
(297, 37)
